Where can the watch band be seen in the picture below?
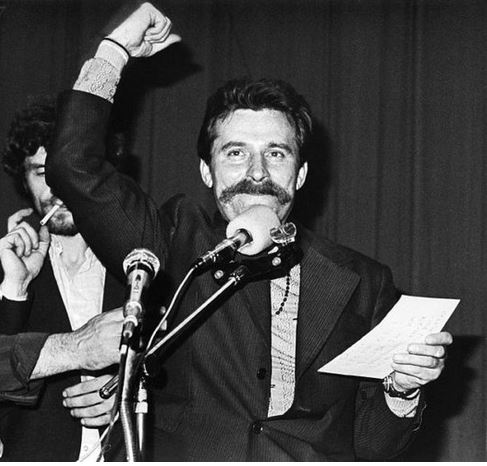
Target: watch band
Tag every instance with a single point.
(388, 384)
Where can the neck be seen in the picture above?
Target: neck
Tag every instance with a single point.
(74, 248)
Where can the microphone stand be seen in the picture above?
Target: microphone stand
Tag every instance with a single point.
(126, 401)
(141, 410)
(128, 378)
(234, 279)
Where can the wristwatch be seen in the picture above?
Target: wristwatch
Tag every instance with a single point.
(388, 384)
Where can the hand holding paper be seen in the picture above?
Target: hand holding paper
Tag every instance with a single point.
(422, 363)
(406, 341)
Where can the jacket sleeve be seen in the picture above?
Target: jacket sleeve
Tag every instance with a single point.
(379, 433)
(19, 353)
(110, 210)
(18, 357)
(14, 315)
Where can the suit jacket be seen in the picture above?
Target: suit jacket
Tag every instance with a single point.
(211, 398)
(42, 429)
(18, 357)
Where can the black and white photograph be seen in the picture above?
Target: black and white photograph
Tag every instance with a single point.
(243, 230)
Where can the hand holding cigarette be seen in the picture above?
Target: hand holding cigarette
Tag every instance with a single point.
(22, 254)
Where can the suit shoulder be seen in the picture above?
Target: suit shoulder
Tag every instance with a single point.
(347, 257)
(181, 207)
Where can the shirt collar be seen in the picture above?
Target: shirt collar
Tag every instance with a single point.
(56, 250)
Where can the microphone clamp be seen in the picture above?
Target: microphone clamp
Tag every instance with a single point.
(225, 250)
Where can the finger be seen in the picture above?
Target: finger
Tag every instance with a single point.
(26, 240)
(87, 386)
(417, 360)
(17, 217)
(96, 421)
(33, 235)
(44, 240)
(82, 401)
(91, 411)
(16, 243)
(159, 31)
(423, 374)
(173, 38)
(441, 338)
(160, 25)
(435, 351)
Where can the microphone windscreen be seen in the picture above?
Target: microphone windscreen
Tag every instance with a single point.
(141, 257)
(258, 220)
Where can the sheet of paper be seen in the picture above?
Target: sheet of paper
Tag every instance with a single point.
(409, 321)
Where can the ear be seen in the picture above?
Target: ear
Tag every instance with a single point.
(302, 173)
(25, 186)
(205, 173)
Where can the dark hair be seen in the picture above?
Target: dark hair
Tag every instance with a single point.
(31, 128)
(256, 95)
(34, 126)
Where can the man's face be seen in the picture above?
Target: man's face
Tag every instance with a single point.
(61, 223)
(254, 160)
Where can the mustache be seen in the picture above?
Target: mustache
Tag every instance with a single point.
(246, 186)
(51, 202)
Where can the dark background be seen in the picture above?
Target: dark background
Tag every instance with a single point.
(398, 90)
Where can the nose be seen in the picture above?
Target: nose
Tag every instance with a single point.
(257, 170)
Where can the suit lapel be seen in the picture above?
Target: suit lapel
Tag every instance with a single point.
(326, 288)
(56, 304)
(113, 294)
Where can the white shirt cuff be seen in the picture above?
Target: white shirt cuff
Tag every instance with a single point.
(11, 295)
(401, 407)
(113, 54)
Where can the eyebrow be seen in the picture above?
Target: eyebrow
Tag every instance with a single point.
(271, 145)
(278, 145)
(232, 144)
(34, 166)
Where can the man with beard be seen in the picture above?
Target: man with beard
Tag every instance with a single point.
(52, 284)
(244, 383)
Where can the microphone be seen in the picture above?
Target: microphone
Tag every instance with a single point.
(249, 234)
(140, 267)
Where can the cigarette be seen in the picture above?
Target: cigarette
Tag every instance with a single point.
(49, 214)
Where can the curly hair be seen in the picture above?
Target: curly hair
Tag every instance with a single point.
(34, 126)
(256, 95)
(31, 128)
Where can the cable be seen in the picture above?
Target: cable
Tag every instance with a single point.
(115, 409)
(176, 298)
(234, 280)
(99, 443)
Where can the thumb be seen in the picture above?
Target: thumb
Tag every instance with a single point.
(171, 39)
(44, 239)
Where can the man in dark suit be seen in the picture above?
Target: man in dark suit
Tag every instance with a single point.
(52, 283)
(243, 384)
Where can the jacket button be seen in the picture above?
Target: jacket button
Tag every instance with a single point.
(257, 427)
(261, 373)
